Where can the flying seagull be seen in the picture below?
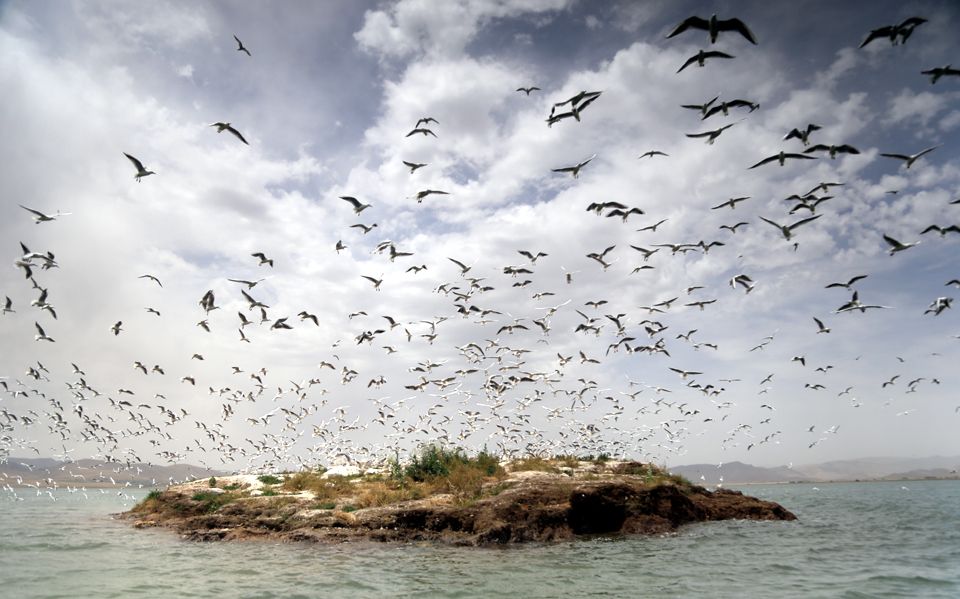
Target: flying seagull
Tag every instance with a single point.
(802, 135)
(422, 130)
(263, 259)
(40, 217)
(221, 127)
(141, 172)
(701, 58)
(714, 26)
(575, 169)
(896, 246)
(240, 47)
(527, 90)
(414, 165)
(904, 30)
(781, 158)
(711, 135)
(152, 278)
(909, 160)
(357, 206)
(787, 230)
(938, 72)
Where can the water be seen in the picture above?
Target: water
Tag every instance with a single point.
(852, 540)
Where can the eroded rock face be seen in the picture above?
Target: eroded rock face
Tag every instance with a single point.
(539, 509)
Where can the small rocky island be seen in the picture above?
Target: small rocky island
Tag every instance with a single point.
(446, 497)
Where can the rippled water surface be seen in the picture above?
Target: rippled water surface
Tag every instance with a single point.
(852, 540)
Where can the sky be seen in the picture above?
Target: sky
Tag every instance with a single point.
(480, 355)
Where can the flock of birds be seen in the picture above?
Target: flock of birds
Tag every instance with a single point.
(512, 387)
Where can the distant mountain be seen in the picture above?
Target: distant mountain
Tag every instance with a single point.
(97, 472)
(837, 470)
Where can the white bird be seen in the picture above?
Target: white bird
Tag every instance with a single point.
(40, 217)
(141, 172)
(221, 127)
(910, 159)
(896, 246)
(787, 230)
(358, 207)
(575, 169)
(41, 335)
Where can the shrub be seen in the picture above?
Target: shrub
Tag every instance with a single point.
(268, 492)
(213, 481)
(350, 508)
(533, 463)
(269, 479)
(329, 505)
(213, 501)
(153, 495)
(434, 461)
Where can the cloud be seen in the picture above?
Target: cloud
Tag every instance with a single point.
(414, 26)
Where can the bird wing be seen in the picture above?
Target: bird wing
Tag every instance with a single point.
(802, 222)
(353, 201)
(689, 62)
(717, 54)
(893, 242)
(690, 22)
(32, 211)
(136, 163)
(738, 26)
(762, 162)
(900, 156)
(237, 133)
(767, 220)
(878, 33)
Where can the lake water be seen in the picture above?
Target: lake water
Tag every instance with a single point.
(852, 540)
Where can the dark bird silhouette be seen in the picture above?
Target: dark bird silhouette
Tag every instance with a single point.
(713, 26)
(700, 58)
(221, 127)
(240, 47)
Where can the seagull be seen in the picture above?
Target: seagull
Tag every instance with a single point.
(574, 170)
(422, 194)
(376, 282)
(414, 165)
(41, 335)
(896, 246)
(652, 153)
(711, 135)
(781, 158)
(909, 160)
(221, 127)
(424, 131)
(733, 228)
(527, 90)
(115, 329)
(848, 283)
(8, 306)
(939, 305)
(40, 217)
(426, 121)
(832, 150)
(904, 30)
(787, 230)
(702, 108)
(854, 304)
(152, 278)
(724, 107)
(804, 135)
(263, 259)
(141, 172)
(937, 73)
(822, 329)
(240, 47)
(701, 57)
(713, 27)
(732, 202)
(366, 229)
(249, 284)
(941, 230)
(357, 206)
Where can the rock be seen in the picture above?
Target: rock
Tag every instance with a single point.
(529, 507)
(342, 471)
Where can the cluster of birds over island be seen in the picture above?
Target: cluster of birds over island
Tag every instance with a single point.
(530, 376)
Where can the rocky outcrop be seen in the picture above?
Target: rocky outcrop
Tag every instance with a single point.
(539, 507)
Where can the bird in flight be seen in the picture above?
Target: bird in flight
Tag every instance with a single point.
(221, 127)
(803, 135)
(527, 90)
(848, 284)
(701, 58)
(263, 259)
(414, 165)
(782, 158)
(938, 72)
(422, 194)
(240, 47)
(152, 278)
(357, 206)
(896, 246)
(40, 217)
(713, 26)
(787, 230)
(422, 130)
(910, 159)
(895, 33)
(652, 153)
(141, 172)
(711, 135)
(575, 169)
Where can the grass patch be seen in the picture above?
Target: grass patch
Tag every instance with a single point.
(534, 464)
(211, 502)
(269, 479)
(267, 492)
(349, 508)
(327, 505)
